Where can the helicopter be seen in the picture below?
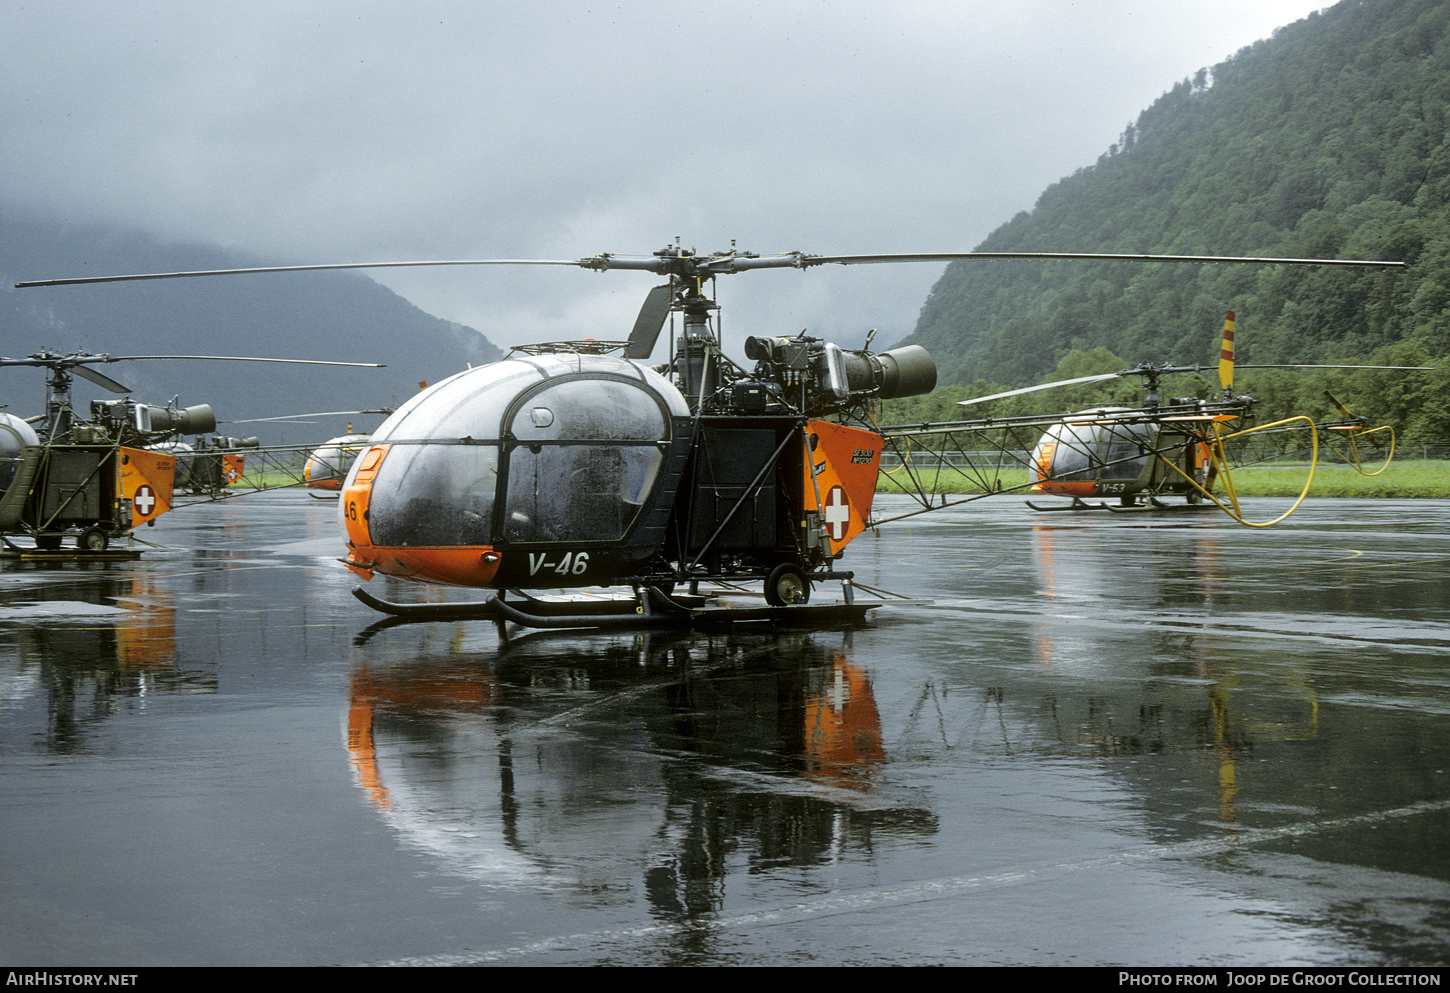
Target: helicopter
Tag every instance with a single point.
(210, 465)
(1137, 455)
(324, 467)
(328, 464)
(99, 478)
(577, 464)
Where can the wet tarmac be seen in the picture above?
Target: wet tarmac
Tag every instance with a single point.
(1099, 739)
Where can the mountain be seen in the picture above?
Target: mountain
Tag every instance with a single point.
(334, 316)
(1327, 140)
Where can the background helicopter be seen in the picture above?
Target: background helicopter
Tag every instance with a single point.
(99, 477)
(329, 463)
(1181, 446)
(566, 465)
(326, 466)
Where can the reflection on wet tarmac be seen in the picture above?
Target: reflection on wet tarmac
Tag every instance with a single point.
(88, 659)
(681, 749)
(1097, 740)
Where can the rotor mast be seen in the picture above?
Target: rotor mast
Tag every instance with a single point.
(698, 351)
(57, 404)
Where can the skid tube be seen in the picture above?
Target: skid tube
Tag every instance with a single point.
(1154, 504)
(1077, 504)
(650, 607)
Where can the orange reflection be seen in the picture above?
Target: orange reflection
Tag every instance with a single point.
(843, 728)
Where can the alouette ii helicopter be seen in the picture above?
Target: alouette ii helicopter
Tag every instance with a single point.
(98, 478)
(1179, 446)
(325, 466)
(577, 464)
(1132, 455)
(328, 464)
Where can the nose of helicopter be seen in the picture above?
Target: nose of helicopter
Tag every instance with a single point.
(471, 565)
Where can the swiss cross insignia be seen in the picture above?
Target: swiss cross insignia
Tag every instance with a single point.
(838, 513)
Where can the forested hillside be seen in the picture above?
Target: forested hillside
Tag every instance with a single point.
(1328, 140)
(323, 315)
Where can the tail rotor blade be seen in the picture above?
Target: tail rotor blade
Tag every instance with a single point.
(1226, 355)
(1338, 406)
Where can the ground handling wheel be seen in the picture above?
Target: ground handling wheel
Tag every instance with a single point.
(94, 540)
(786, 585)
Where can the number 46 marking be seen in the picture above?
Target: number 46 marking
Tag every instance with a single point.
(573, 564)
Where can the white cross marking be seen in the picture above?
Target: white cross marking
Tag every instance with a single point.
(838, 513)
(144, 500)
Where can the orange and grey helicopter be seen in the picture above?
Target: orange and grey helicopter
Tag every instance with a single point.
(327, 465)
(1134, 456)
(579, 464)
(97, 478)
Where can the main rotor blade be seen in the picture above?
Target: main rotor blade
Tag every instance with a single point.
(810, 260)
(1401, 368)
(1176, 370)
(234, 358)
(649, 323)
(315, 413)
(1042, 386)
(79, 280)
(685, 264)
(104, 381)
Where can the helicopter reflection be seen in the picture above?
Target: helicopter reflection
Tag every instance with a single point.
(1173, 580)
(696, 755)
(88, 659)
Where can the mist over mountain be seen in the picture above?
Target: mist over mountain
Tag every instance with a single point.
(1330, 139)
(334, 316)
(1327, 140)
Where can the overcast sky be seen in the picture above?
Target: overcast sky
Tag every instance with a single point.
(363, 131)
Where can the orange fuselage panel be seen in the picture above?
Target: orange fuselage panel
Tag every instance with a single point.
(146, 482)
(841, 477)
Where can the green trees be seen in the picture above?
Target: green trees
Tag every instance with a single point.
(1329, 140)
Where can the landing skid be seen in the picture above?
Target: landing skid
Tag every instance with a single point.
(28, 553)
(652, 609)
(1152, 504)
(1075, 505)
(484, 610)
